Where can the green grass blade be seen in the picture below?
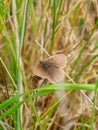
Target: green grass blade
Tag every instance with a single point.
(76, 11)
(83, 29)
(22, 31)
(56, 13)
(54, 25)
(10, 101)
(91, 59)
(12, 109)
(93, 109)
(33, 17)
(41, 92)
(67, 86)
(83, 48)
(81, 51)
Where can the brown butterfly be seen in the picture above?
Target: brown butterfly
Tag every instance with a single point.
(51, 68)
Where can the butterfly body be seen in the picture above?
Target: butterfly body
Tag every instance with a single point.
(51, 68)
(44, 65)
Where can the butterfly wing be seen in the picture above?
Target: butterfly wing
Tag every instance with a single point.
(55, 74)
(39, 71)
(51, 68)
(58, 60)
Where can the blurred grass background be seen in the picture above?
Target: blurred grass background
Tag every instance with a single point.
(60, 26)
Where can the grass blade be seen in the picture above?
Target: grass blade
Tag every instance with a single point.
(91, 59)
(93, 109)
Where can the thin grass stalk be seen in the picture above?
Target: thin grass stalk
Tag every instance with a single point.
(20, 72)
(19, 78)
(54, 25)
(8, 72)
(33, 16)
(81, 51)
(82, 120)
(56, 13)
(91, 59)
(88, 7)
(93, 109)
(19, 43)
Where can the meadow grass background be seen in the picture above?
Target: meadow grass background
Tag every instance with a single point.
(69, 27)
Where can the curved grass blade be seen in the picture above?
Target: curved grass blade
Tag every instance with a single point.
(56, 13)
(93, 109)
(12, 109)
(91, 59)
(43, 91)
(81, 51)
(10, 101)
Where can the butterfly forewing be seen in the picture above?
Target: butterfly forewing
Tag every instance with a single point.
(40, 71)
(58, 60)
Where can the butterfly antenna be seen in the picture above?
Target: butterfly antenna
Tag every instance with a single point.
(42, 48)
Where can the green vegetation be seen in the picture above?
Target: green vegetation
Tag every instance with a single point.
(32, 30)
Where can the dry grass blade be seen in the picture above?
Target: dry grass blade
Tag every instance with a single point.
(43, 31)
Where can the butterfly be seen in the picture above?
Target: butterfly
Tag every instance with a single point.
(51, 68)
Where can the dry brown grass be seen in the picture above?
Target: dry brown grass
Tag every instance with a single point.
(73, 109)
